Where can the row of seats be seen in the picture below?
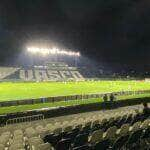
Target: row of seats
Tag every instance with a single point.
(20, 140)
(97, 136)
(51, 124)
(26, 136)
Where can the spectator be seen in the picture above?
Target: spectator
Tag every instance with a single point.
(105, 98)
(112, 97)
(146, 110)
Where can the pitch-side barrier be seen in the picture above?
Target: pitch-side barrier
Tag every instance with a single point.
(66, 98)
(32, 115)
(25, 119)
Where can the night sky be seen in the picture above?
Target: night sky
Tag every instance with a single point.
(112, 31)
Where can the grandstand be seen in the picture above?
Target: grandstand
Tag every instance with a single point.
(53, 71)
(123, 128)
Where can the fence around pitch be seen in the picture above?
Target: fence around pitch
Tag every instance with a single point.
(66, 98)
(25, 119)
(62, 111)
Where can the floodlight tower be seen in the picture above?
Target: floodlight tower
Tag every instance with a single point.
(53, 51)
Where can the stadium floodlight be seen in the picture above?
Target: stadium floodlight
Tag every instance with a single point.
(51, 51)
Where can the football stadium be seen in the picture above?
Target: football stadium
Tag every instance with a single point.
(74, 75)
(58, 84)
(57, 106)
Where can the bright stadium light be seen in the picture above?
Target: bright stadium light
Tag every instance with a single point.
(51, 51)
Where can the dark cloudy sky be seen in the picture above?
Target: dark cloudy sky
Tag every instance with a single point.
(104, 30)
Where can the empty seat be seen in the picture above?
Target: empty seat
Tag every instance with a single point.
(71, 135)
(34, 142)
(49, 127)
(123, 130)
(16, 146)
(63, 144)
(110, 133)
(4, 139)
(52, 138)
(88, 124)
(134, 138)
(120, 142)
(44, 146)
(95, 122)
(18, 132)
(57, 131)
(30, 132)
(2, 147)
(80, 140)
(146, 134)
(96, 136)
(79, 126)
(102, 145)
(145, 124)
(67, 129)
(136, 126)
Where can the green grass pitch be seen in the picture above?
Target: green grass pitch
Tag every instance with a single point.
(19, 91)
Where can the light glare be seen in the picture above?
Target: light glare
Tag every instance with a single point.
(54, 50)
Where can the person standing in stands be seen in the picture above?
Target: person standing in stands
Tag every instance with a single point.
(105, 98)
(146, 110)
(112, 97)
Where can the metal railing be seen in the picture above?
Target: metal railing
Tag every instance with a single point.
(25, 119)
